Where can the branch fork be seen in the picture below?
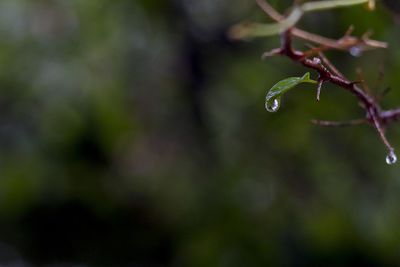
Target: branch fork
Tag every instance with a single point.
(314, 59)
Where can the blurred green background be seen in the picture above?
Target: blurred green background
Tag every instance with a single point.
(133, 133)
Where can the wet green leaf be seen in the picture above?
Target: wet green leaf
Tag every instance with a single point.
(272, 100)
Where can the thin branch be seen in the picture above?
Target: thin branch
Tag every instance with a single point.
(390, 116)
(383, 93)
(380, 130)
(267, 8)
(327, 72)
(369, 103)
(332, 67)
(339, 123)
(360, 75)
(344, 44)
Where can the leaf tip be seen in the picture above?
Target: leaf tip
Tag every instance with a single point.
(239, 31)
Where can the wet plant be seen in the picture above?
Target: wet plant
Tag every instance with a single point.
(315, 59)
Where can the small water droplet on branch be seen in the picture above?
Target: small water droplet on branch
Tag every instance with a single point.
(356, 51)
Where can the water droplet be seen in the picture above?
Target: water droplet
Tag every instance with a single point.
(317, 60)
(356, 51)
(391, 158)
(273, 105)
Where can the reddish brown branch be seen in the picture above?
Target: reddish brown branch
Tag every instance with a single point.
(324, 73)
(314, 59)
(374, 116)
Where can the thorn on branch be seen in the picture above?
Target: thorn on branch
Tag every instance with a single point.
(273, 52)
(357, 82)
(319, 86)
(360, 76)
(384, 92)
(349, 31)
(329, 64)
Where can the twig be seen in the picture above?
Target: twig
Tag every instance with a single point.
(339, 123)
(267, 8)
(319, 87)
(332, 67)
(379, 128)
(343, 44)
(327, 72)
(369, 104)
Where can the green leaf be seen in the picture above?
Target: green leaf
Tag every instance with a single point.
(272, 100)
(243, 31)
(250, 30)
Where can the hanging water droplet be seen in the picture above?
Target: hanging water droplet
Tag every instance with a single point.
(273, 105)
(391, 158)
(356, 51)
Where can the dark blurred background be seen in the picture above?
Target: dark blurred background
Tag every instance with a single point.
(133, 133)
